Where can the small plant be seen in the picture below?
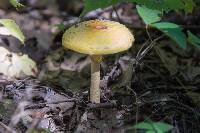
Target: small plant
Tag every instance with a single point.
(154, 127)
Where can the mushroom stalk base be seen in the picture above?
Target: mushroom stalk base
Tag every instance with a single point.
(95, 79)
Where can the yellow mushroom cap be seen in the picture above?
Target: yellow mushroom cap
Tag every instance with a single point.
(98, 37)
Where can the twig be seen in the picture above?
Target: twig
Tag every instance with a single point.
(9, 130)
(142, 52)
(37, 118)
(107, 77)
(137, 107)
(118, 17)
(44, 104)
(147, 31)
(102, 105)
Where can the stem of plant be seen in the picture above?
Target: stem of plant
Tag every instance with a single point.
(95, 78)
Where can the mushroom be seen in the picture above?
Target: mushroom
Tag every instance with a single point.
(97, 38)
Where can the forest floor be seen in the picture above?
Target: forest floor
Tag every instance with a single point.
(154, 81)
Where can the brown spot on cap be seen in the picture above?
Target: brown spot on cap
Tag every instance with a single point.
(97, 25)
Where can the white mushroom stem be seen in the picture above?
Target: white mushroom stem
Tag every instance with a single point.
(95, 79)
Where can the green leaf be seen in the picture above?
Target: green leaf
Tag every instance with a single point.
(12, 29)
(154, 127)
(173, 31)
(96, 4)
(60, 26)
(189, 5)
(161, 127)
(162, 5)
(150, 131)
(16, 4)
(165, 5)
(144, 125)
(148, 15)
(194, 40)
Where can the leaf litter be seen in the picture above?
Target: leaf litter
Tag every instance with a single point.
(158, 84)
